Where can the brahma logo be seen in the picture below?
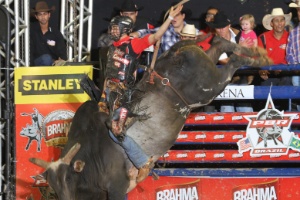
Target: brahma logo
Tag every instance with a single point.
(188, 191)
(56, 126)
(264, 191)
(268, 132)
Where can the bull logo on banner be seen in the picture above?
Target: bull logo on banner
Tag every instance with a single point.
(33, 131)
(53, 128)
(268, 133)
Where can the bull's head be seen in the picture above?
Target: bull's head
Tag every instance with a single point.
(60, 175)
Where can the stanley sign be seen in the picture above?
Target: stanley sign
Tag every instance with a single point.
(52, 85)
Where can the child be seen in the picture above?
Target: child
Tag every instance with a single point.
(247, 23)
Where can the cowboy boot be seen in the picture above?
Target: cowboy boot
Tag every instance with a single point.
(144, 171)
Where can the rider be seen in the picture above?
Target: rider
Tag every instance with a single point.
(120, 78)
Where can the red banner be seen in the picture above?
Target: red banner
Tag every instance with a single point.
(46, 101)
(194, 188)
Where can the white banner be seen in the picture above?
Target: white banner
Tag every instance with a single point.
(237, 92)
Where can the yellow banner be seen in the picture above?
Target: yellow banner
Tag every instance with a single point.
(50, 84)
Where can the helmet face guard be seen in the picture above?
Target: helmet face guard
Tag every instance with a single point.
(125, 25)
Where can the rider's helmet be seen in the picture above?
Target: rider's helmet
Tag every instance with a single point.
(125, 24)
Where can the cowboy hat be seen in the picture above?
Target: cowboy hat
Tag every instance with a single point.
(295, 5)
(186, 11)
(188, 30)
(276, 12)
(128, 6)
(220, 21)
(42, 6)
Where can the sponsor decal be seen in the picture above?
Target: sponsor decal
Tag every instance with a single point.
(263, 191)
(268, 132)
(50, 84)
(216, 137)
(53, 128)
(182, 136)
(202, 136)
(218, 118)
(200, 118)
(294, 155)
(200, 155)
(182, 155)
(237, 118)
(187, 191)
(237, 155)
(237, 137)
(219, 155)
(237, 92)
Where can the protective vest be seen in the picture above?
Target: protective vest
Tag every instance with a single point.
(122, 63)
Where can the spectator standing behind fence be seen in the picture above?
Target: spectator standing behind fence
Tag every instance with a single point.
(275, 42)
(293, 46)
(209, 17)
(247, 23)
(222, 26)
(47, 43)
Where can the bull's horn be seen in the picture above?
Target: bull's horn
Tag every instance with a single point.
(72, 152)
(39, 162)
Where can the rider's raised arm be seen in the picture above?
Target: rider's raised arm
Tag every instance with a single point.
(162, 29)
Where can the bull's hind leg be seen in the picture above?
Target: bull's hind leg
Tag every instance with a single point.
(220, 45)
(237, 61)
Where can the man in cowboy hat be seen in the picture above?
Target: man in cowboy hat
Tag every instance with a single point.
(47, 43)
(222, 27)
(275, 42)
(130, 9)
(293, 46)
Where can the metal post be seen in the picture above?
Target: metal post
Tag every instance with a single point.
(89, 32)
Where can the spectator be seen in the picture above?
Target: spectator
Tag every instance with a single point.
(222, 26)
(247, 23)
(275, 42)
(171, 36)
(293, 46)
(130, 9)
(209, 17)
(188, 32)
(47, 43)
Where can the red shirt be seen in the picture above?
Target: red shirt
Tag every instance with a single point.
(276, 48)
(205, 44)
(138, 44)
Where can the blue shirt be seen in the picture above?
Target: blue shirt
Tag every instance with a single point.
(293, 46)
(169, 38)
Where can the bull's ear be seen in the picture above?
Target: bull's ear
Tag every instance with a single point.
(78, 165)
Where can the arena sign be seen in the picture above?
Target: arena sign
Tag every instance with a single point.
(46, 99)
(268, 133)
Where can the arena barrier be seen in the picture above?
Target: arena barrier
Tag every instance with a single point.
(238, 156)
(46, 99)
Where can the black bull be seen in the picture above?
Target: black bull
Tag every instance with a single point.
(92, 166)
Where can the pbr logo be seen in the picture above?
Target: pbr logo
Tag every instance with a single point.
(268, 133)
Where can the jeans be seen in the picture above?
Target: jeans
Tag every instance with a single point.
(132, 149)
(43, 60)
(296, 82)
